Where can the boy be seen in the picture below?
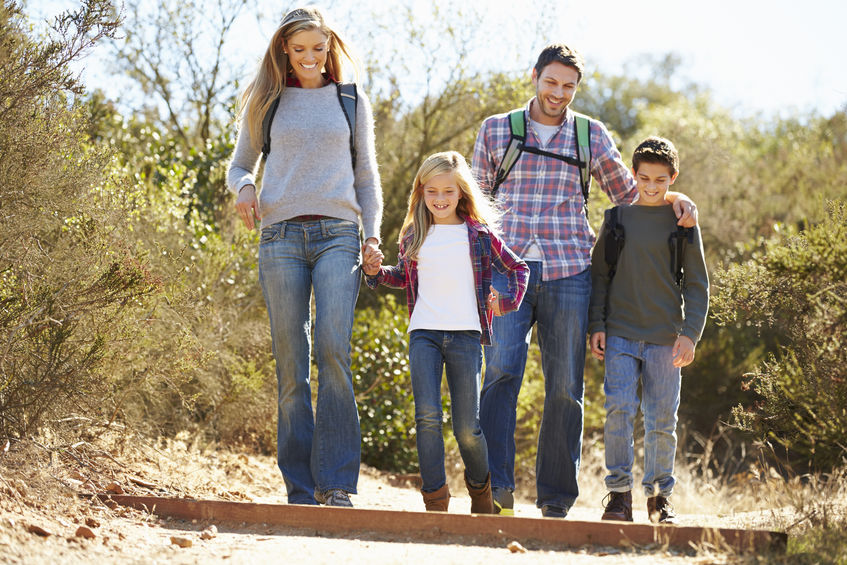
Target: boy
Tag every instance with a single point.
(645, 318)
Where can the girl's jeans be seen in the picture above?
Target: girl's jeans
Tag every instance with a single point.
(320, 451)
(460, 351)
(627, 361)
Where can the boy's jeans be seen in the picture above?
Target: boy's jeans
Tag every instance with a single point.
(429, 352)
(626, 361)
(560, 308)
(320, 451)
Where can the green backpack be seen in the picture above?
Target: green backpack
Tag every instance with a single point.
(517, 145)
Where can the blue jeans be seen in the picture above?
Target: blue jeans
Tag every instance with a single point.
(560, 309)
(320, 451)
(429, 352)
(627, 361)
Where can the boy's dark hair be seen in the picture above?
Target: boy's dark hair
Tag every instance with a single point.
(656, 150)
(559, 52)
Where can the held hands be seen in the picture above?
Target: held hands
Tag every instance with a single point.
(683, 351)
(247, 206)
(371, 257)
(494, 301)
(598, 345)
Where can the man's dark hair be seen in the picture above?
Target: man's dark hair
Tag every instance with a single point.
(656, 150)
(561, 53)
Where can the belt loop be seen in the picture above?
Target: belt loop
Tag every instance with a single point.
(324, 231)
(282, 226)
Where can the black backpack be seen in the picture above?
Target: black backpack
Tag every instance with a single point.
(347, 97)
(615, 239)
(517, 145)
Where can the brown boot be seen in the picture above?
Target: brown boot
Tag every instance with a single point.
(481, 501)
(619, 506)
(659, 509)
(438, 500)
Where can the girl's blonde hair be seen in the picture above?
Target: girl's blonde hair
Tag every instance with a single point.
(473, 203)
(269, 82)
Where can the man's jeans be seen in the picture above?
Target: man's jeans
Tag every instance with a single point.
(320, 451)
(626, 361)
(429, 352)
(560, 308)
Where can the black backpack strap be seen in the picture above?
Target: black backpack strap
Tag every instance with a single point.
(614, 242)
(348, 97)
(677, 242)
(266, 128)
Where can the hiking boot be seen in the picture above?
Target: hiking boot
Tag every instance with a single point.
(550, 511)
(437, 501)
(334, 497)
(481, 502)
(504, 501)
(618, 506)
(659, 509)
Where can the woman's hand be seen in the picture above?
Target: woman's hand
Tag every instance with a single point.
(247, 206)
(372, 257)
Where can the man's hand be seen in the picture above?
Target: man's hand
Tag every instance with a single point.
(685, 210)
(247, 206)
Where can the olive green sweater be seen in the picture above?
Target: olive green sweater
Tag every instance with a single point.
(644, 303)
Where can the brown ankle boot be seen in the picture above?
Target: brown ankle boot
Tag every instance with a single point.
(481, 501)
(618, 506)
(438, 500)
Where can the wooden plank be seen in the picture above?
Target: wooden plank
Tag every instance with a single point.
(475, 529)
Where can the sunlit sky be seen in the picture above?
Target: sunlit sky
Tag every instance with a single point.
(756, 56)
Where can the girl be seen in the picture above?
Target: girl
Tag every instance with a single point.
(448, 246)
(314, 200)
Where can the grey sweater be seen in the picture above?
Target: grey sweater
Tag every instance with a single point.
(309, 169)
(644, 302)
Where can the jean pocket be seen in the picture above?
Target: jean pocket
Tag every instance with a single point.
(271, 233)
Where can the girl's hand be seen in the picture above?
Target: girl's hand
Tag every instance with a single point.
(247, 205)
(494, 301)
(598, 345)
(683, 351)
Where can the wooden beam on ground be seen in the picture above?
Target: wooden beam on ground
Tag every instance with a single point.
(473, 529)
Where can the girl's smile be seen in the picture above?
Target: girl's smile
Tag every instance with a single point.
(441, 196)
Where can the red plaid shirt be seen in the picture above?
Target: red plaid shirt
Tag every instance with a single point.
(487, 250)
(542, 197)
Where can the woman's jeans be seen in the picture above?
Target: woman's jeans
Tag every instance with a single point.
(460, 351)
(626, 361)
(296, 258)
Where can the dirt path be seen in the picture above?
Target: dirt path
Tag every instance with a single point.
(51, 502)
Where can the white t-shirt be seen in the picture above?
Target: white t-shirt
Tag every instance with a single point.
(446, 291)
(545, 133)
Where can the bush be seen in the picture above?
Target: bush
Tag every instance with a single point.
(796, 286)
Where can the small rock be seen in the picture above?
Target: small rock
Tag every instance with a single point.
(181, 542)
(209, 533)
(92, 522)
(114, 488)
(20, 486)
(85, 532)
(515, 547)
(38, 530)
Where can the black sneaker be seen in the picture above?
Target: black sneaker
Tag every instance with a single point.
(618, 506)
(504, 501)
(334, 497)
(659, 509)
(550, 511)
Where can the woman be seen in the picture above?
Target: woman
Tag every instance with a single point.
(313, 202)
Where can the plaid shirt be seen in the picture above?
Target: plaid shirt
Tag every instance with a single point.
(542, 197)
(487, 250)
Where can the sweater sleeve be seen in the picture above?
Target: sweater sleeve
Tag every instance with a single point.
(367, 183)
(599, 284)
(245, 160)
(695, 293)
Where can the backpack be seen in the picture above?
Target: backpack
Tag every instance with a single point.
(614, 242)
(347, 97)
(517, 145)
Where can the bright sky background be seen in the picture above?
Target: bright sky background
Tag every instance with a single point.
(773, 57)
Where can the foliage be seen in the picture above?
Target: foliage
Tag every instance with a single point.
(796, 285)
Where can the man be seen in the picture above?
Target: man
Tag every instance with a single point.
(545, 224)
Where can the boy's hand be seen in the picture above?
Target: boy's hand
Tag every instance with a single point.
(494, 301)
(683, 351)
(598, 345)
(372, 257)
(686, 211)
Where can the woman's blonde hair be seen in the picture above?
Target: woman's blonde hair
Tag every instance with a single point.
(473, 204)
(269, 82)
